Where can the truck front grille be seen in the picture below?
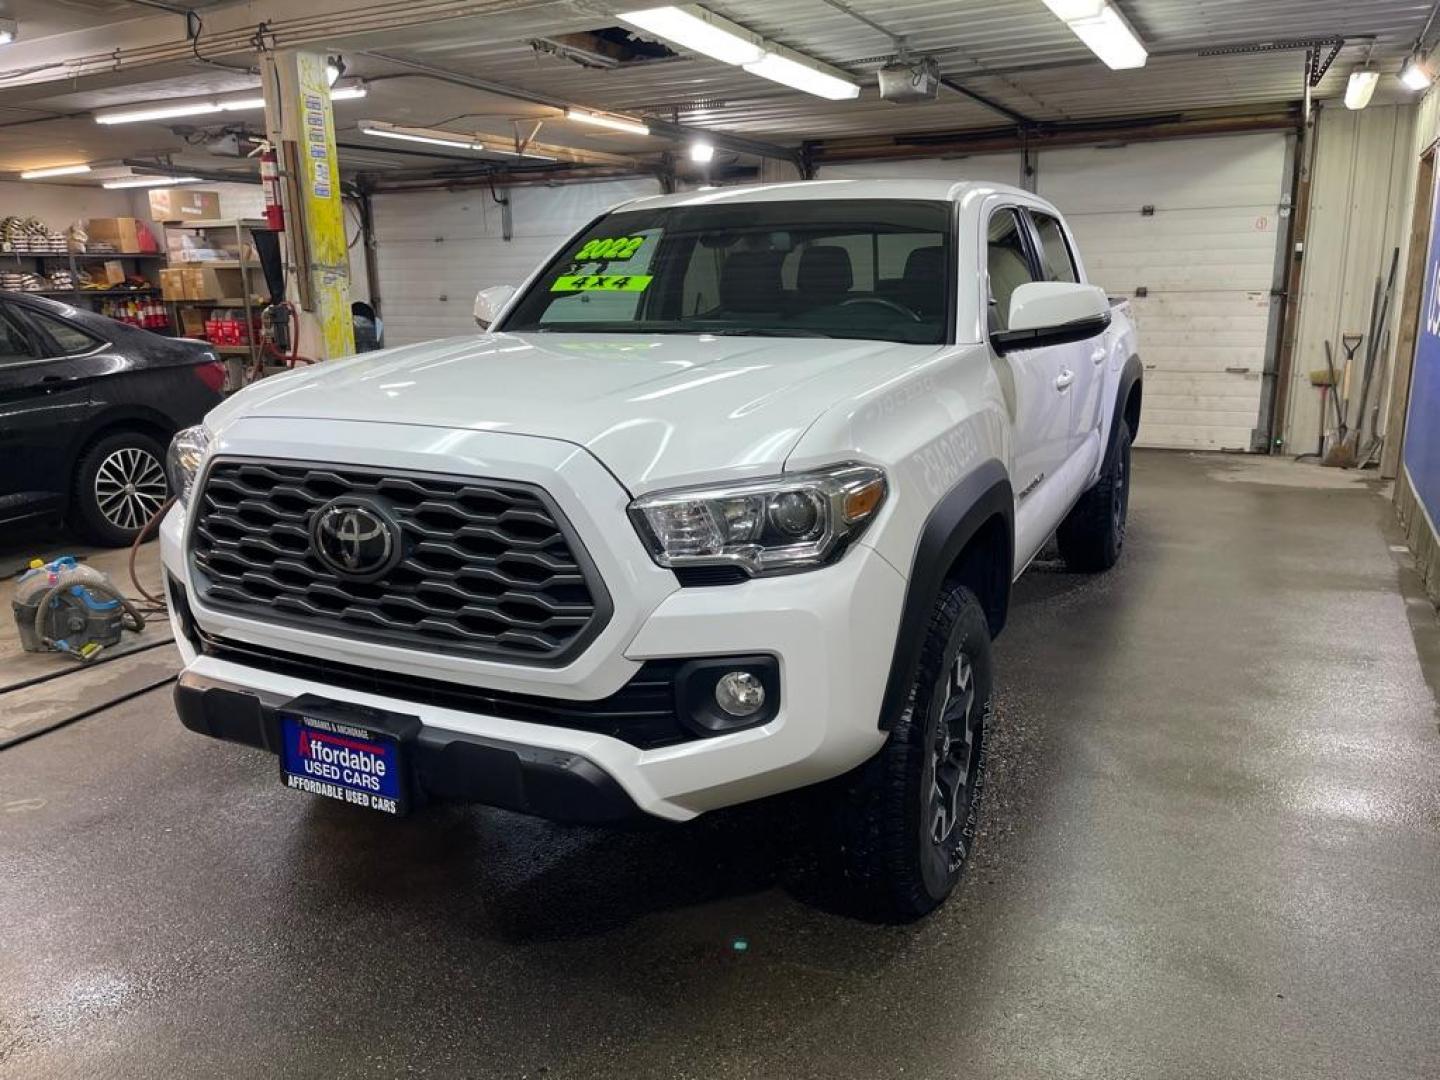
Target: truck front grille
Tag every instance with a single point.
(485, 568)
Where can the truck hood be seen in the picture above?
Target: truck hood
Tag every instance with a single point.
(657, 410)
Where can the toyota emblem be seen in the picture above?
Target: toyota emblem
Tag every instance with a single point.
(355, 539)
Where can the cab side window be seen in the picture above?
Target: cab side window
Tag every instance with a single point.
(1008, 263)
(1055, 257)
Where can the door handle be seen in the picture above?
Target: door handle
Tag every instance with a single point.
(1066, 378)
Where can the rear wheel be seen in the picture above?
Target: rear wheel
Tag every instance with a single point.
(908, 816)
(1093, 533)
(119, 485)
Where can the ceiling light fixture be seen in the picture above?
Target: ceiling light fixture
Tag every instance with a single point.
(1416, 74)
(9, 31)
(615, 123)
(692, 27)
(698, 30)
(520, 154)
(55, 170)
(702, 152)
(802, 73)
(419, 135)
(1361, 87)
(140, 113)
(1106, 32)
(148, 181)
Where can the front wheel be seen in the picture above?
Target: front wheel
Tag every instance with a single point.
(908, 816)
(1093, 533)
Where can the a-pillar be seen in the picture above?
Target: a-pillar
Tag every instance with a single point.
(301, 126)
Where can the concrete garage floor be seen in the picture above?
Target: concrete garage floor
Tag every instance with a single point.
(1211, 848)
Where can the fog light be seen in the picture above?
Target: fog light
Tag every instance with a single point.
(739, 693)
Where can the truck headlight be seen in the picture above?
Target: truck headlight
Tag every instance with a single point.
(765, 526)
(187, 451)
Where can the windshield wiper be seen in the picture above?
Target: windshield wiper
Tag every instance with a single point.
(747, 331)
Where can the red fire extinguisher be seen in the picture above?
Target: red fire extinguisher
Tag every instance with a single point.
(270, 181)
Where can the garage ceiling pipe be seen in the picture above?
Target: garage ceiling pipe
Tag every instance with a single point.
(738, 144)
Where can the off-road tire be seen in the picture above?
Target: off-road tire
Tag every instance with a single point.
(1093, 534)
(894, 867)
(121, 450)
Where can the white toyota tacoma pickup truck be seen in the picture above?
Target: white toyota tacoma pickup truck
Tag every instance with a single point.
(727, 502)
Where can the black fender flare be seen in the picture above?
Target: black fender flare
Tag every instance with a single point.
(952, 523)
(1132, 374)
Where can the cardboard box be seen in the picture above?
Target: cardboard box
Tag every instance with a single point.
(121, 234)
(204, 283)
(192, 322)
(184, 204)
(172, 283)
(115, 272)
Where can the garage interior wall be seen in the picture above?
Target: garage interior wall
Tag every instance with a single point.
(1362, 177)
(59, 206)
(436, 249)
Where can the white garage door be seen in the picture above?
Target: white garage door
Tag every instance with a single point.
(1203, 253)
(996, 168)
(437, 249)
(1194, 224)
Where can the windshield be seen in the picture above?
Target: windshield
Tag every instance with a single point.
(843, 268)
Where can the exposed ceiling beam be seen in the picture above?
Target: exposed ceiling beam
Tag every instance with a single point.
(665, 129)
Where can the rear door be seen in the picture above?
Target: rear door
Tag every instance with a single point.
(44, 401)
(1083, 359)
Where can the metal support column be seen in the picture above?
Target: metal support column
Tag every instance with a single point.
(301, 126)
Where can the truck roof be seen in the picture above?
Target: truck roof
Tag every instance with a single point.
(940, 190)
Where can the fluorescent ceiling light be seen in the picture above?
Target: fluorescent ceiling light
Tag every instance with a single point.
(140, 113)
(700, 31)
(702, 152)
(148, 181)
(1361, 87)
(616, 123)
(1099, 24)
(1415, 75)
(521, 154)
(419, 135)
(56, 170)
(1070, 10)
(806, 75)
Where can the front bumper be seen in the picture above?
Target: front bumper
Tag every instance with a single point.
(445, 765)
(832, 632)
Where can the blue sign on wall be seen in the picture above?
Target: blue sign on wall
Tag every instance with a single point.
(1422, 425)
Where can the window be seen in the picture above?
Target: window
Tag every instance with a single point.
(1055, 255)
(876, 269)
(70, 339)
(13, 345)
(1009, 265)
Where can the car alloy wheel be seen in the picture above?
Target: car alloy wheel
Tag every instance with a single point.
(955, 759)
(130, 487)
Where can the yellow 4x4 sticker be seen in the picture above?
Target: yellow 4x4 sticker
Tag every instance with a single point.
(616, 249)
(601, 283)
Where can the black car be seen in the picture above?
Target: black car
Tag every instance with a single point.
(87, 409)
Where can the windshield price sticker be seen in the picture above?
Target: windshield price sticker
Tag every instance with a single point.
(601, 283)
(615, 249)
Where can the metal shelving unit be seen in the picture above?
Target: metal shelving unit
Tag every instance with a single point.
(74, 261)
(239, 229)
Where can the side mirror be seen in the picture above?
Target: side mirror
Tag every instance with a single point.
(490, 302)
(1053, 313)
